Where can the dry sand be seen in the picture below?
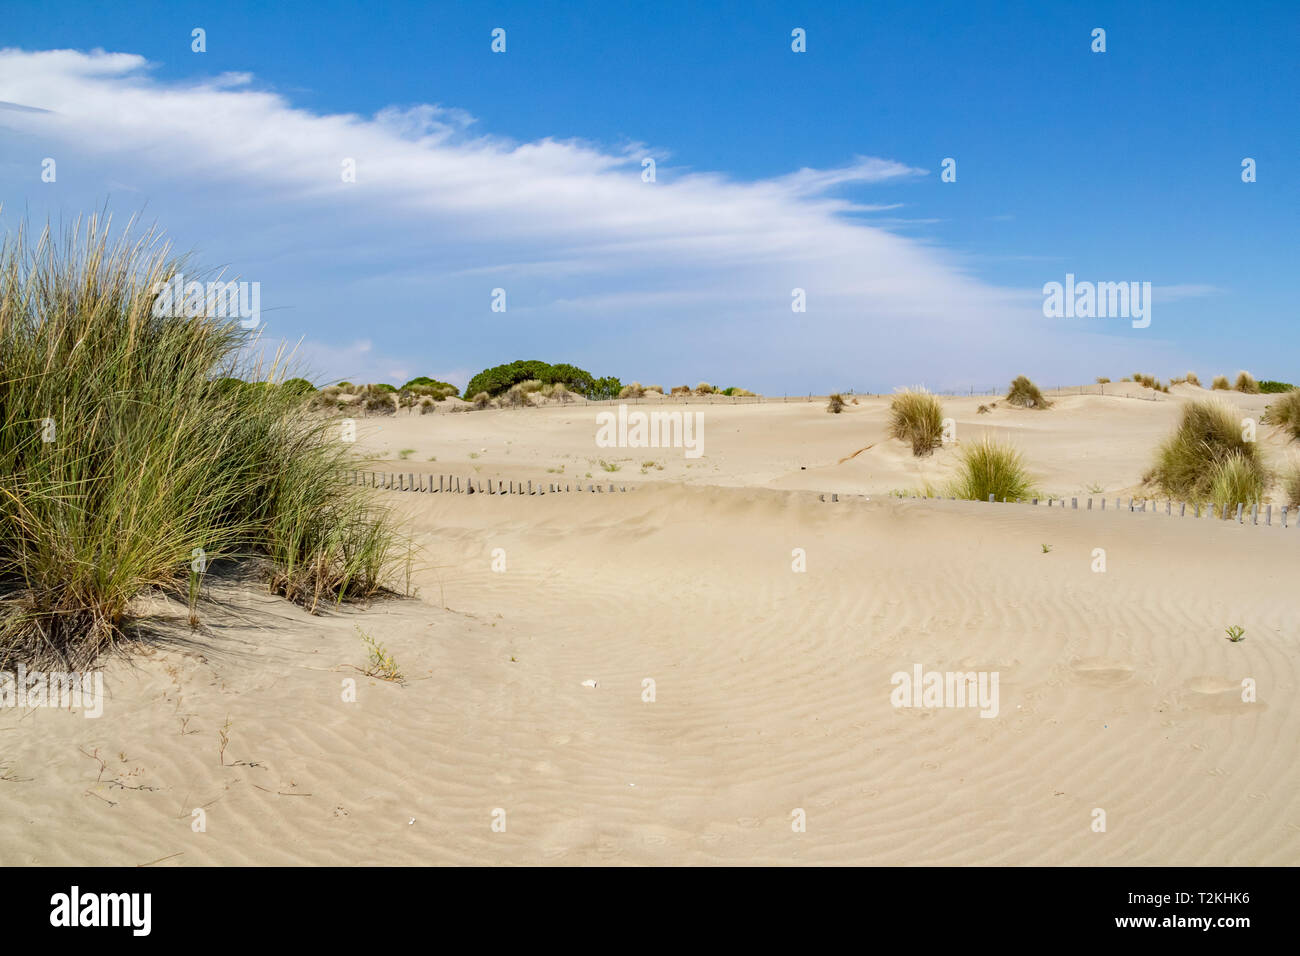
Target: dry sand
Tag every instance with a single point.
(1118, 690)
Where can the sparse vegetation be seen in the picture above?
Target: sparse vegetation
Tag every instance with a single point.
(380, 663)
(836, 404)
(989, 467)
(1291, 484)
(1102, 380)
(1196, 456)
(1271, 387)
(1285, 414)
(1191, 379)
(1220, 383)
(1236, 633)
(1246, 383)
(1025, 394)
(916, 417)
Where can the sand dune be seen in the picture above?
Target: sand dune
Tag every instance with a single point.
(772, 688)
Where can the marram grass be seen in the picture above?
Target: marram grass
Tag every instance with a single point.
(989, 467)
(916, 417)
(127, 461)
(1191, 462)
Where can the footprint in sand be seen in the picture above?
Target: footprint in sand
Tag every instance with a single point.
(1101, 671)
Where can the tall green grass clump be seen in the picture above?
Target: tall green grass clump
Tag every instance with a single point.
(1190, 460)
(134, 455)
(989, 467)
(1026, 394)
(1236, 480)
(1285, 414)
(916, 417)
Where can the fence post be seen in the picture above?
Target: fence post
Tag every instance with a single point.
(1090, 503)
(1284, 516)
(1182, 509)
(1268, 516)
(1074, 504)
(1239, 507)
(990, 499)
(1254, 513)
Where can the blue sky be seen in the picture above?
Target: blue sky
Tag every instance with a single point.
(522, 171)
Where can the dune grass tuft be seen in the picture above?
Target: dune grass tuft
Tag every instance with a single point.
(989, 467)
(916, 417)
(134, 455)
(1026, 394)
(1189, 461)
(1221, 384)
(1236, 480)
(1285, 414)
(835, 405)
(1191, 379)
(1246, 383)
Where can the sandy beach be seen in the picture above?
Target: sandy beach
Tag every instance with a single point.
(645, 677)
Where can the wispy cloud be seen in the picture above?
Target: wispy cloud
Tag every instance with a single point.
(693, 271)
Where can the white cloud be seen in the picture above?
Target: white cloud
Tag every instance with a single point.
(692, 271)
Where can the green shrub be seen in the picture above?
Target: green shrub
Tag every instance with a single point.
(159, 458)
(1235, 480)
(1208, 434)
(988, 467)
(1271, 387)
(916, 417)
(1025, 394)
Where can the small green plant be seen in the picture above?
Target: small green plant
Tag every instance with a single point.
(1236, 633)
(380, 663)
(473, 454)
(610, 465)
(1046, 548)
(406, 453)
(1095, 488)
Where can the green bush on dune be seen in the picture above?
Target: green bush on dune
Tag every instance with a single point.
(989, 467)
(916, 417)
(1026, 394)
(130, 453)
(1207, 447)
